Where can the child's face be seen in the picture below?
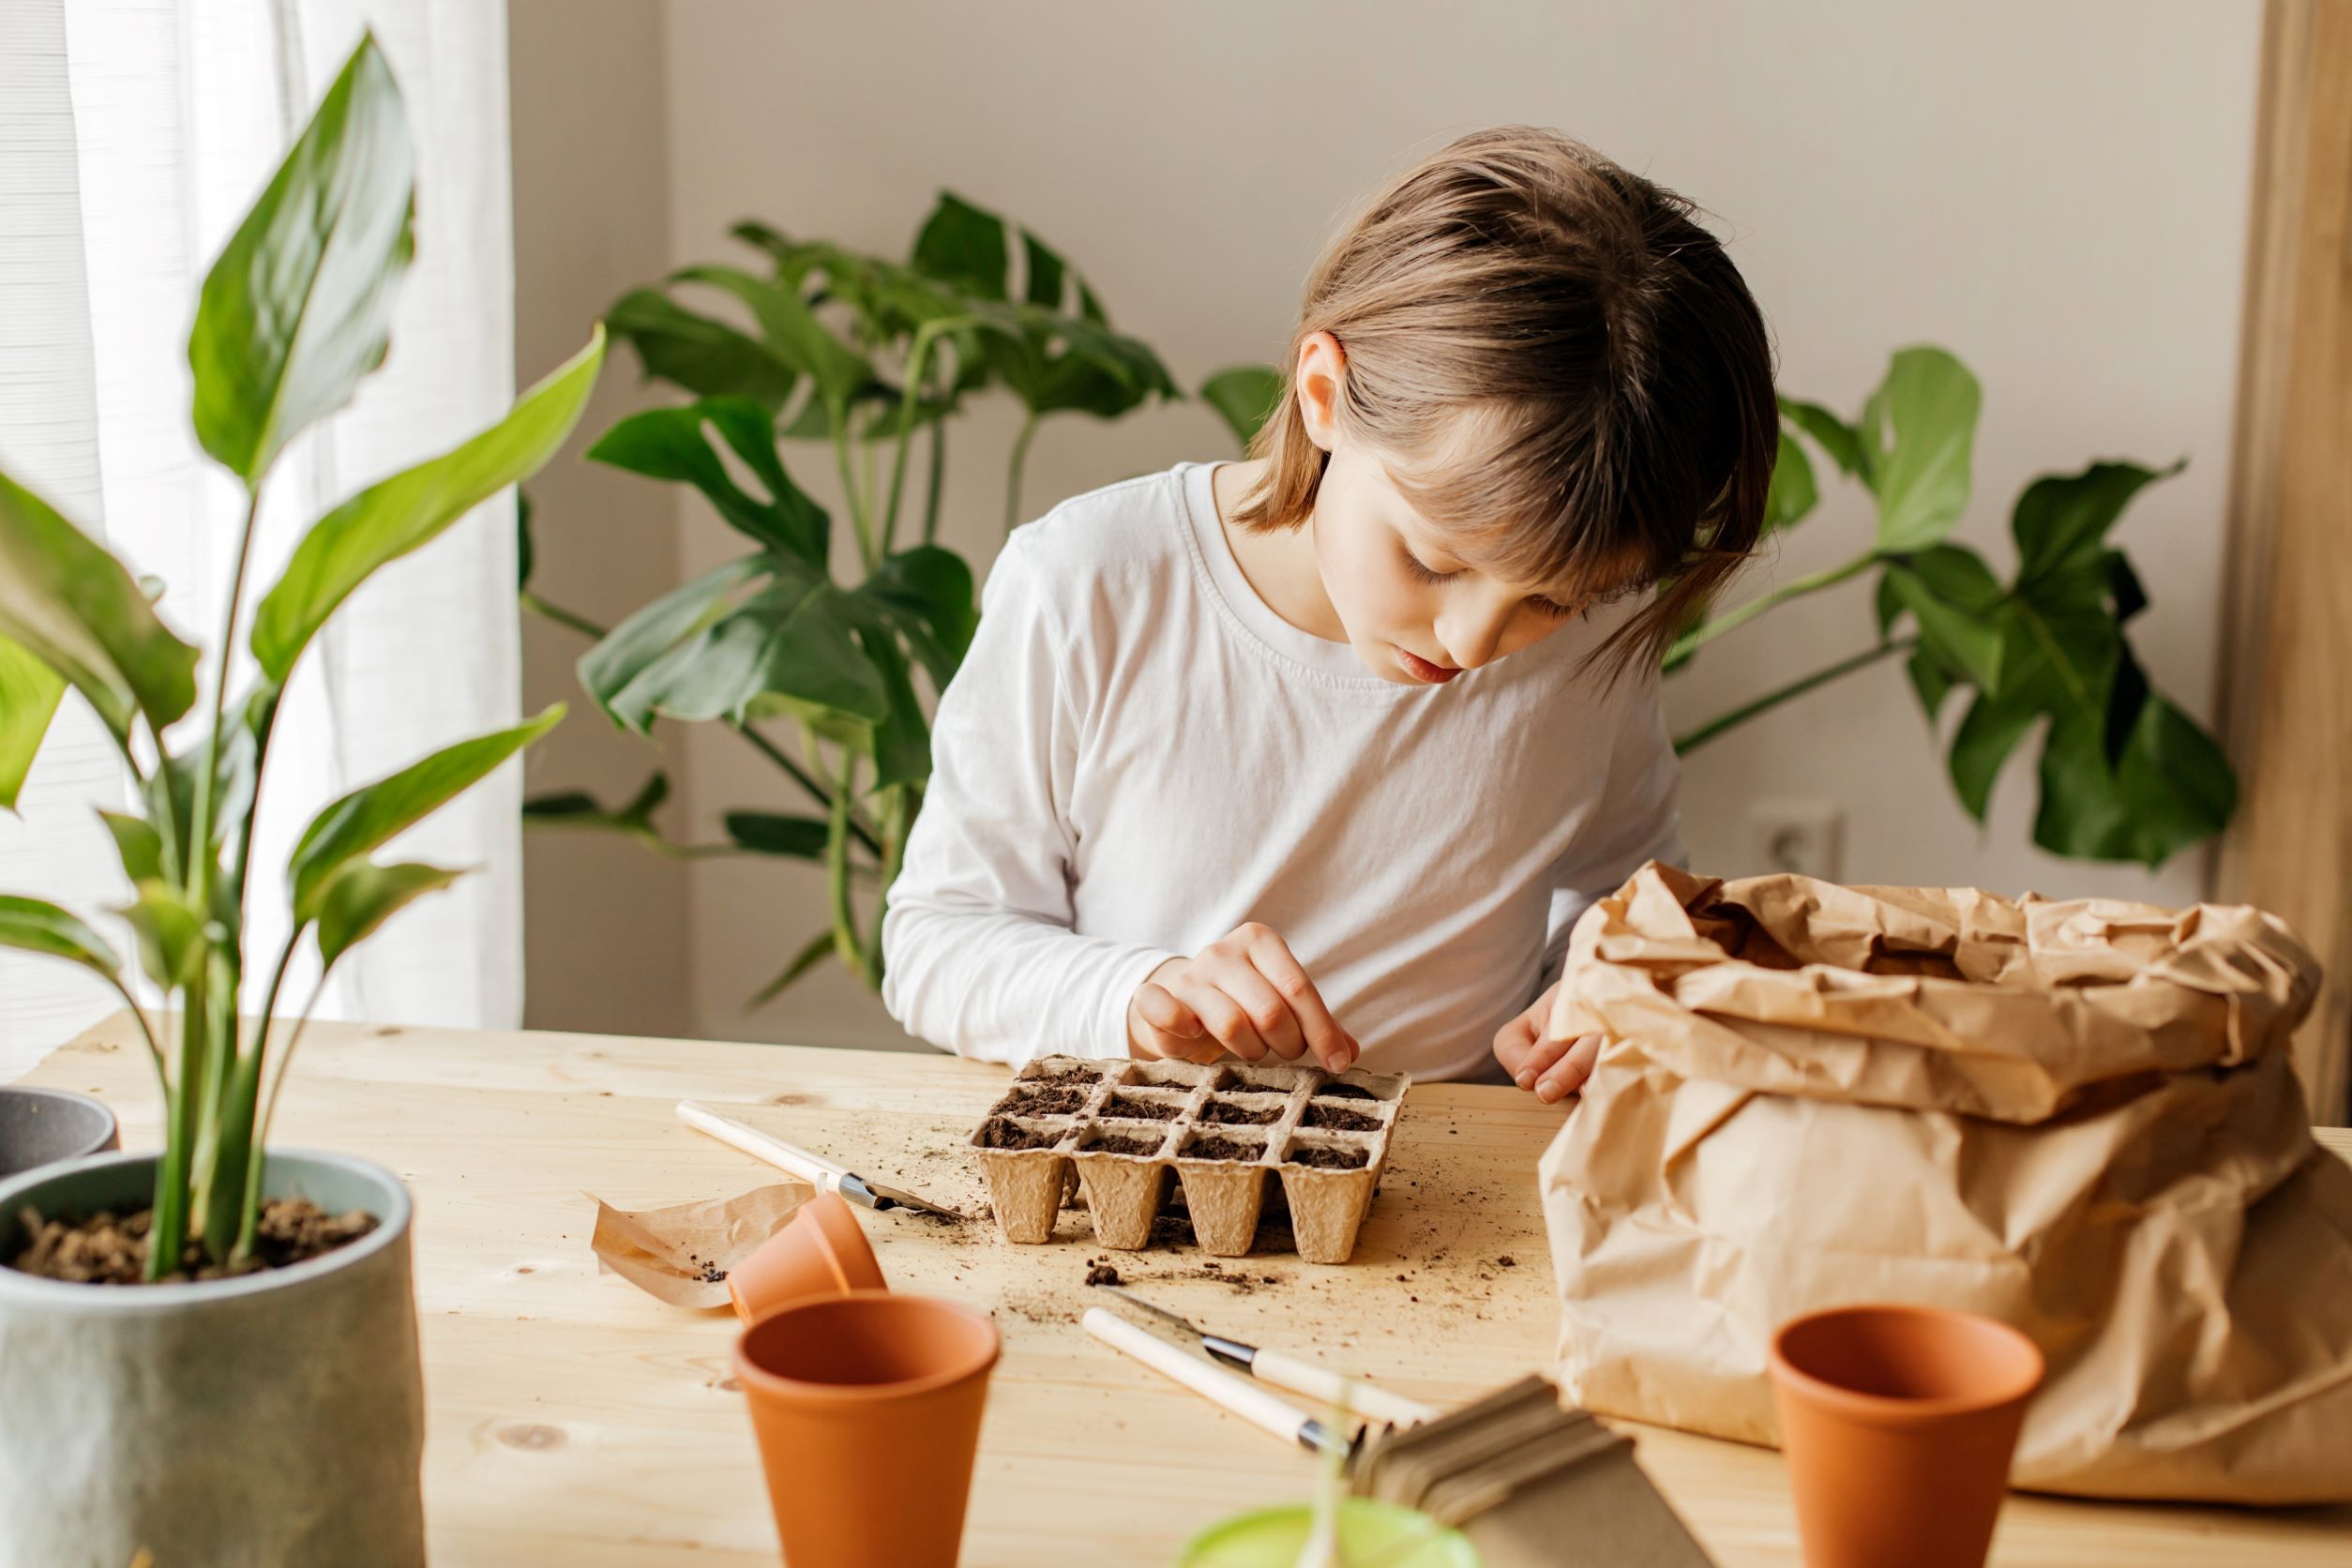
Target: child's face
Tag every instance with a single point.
(1415, 611)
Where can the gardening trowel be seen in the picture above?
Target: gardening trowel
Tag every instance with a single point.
(828, 1175)
(1287, 1371)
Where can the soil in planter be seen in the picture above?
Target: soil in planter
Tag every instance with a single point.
(1006, 1135)
(1344, 1092)
(1222, 1149)
(1120, 1143)
(1339, 1117)
(1045, 1102)
(110, 1249)
(1233, 1114)
(1067, 1075)
(1331, 1159)
(1140, 1110)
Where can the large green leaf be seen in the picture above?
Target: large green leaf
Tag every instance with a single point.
(299, 307)
(173, 944)
(72, 605)
(1957, 604)
(137, 844)
(926, 592)
(29, 690)
(769, 833)
(1833, 435)
(363, 896)
(2170, 788)
(396, 515)
(362, 821)
(1056, 363)
(1244, 396)
(622, 670)
(964, 244)
(793, 331)
(2060, 522)
(673, 444)
(34, 926)
(1916, 433)
(709, 359)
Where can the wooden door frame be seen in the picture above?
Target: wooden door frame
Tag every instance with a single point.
(2285, 686)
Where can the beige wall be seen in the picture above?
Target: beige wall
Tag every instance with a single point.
(2058, 193)
(605, 923)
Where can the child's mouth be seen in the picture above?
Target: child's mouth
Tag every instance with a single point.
(1422, 670)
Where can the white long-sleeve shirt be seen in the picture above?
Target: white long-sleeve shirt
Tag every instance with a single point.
(1139, 754)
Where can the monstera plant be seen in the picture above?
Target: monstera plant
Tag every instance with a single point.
(2124, 774)
(810, 645)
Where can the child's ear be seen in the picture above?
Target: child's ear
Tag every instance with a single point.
(1322, 375)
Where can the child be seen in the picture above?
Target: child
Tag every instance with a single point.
(1324, 753)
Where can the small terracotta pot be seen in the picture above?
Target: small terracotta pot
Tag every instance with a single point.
(867, 1411)
(821, 1251)
(1898, 1424)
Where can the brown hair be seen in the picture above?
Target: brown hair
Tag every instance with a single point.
(1613, 369)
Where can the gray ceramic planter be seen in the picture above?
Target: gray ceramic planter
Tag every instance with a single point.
(276, 1418)
(42, 1126)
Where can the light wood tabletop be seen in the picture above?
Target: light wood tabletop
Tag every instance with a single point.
(576, 1419)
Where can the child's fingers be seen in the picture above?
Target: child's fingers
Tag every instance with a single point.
(1513, 1041)
(1269, 1013)
(1539, 1059)
(1223, 1017)
(1566, 1075)
(1160, 1008)
(1333, 1046)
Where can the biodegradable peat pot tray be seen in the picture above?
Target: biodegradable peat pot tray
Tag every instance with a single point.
(1128, 1131)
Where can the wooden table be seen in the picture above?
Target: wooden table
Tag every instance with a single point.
(577, 1421)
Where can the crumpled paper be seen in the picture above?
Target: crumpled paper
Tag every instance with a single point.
(2077, 1117)
(682, 1254)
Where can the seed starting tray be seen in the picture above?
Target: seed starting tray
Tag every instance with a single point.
(1125, 1128)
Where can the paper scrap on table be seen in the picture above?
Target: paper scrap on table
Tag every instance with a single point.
(682, 1254)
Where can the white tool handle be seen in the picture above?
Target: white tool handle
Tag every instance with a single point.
(759, 1145)
(1323, 1385)
(1213, 1382)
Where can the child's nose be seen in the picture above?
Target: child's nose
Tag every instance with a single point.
(1470, 635)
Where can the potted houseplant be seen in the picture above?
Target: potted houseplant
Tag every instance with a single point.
(251, 1391)
(811, 646)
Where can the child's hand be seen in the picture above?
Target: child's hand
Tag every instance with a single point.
(1552, 1068)
(1244, 993)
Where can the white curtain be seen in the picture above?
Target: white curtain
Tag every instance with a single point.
(133, 135)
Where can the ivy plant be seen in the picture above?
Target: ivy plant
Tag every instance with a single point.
(2124, 774)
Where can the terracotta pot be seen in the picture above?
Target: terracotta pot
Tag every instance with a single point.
(867, 1411)
(1898, 1423)
(819, 1252)
(278, 1417)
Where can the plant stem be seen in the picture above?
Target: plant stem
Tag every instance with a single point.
(1686, 744)
(1013, 481)
(200, 834)
(899, 811)
(837, 858)
(938, 474)
(1700, 636)
(910, 399)
(562, 617)
(849, 487)
(167, 1229)
(816, 792)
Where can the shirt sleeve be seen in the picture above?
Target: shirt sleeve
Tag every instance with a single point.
(979, 957)
(1636, 821)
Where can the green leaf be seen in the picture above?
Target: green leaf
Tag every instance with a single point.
(363, 896)
(362, 821)
(172, 943)
(137, 843)
(926, 592)
(673, 444)
(709, 359)
(1916, 433)
(2061, 522)
(805, 960)
(29, 690)
(68, 603)
(1957, 601)
(1056, 363)
(407, 511)
(616, 670)
(768, 833)
(526, 553)
(299, 307)
(1047, 271)
(1834, 436)
(1930, 681)
(793, 333)
(1988, 733)
(34, 926)
(1792, 492)
(2172, 788)
(964, 244)
(1244, 396)
(805, 651)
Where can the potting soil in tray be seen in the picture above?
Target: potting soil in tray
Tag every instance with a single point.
(1136, 1129)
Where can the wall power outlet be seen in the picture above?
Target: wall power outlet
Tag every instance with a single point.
(1806, 836)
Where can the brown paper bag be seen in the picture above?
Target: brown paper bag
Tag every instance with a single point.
(2077, 1117)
